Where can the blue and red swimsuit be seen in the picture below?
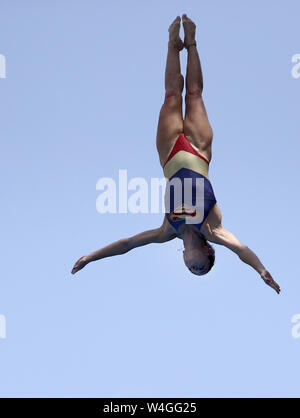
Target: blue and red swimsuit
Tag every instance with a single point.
(189, 194)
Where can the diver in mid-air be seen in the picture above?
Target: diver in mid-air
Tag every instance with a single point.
(184, 148)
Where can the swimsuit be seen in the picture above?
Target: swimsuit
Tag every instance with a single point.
(189, 193)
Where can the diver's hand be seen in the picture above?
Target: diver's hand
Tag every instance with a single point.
(82, 262)
(268, 279)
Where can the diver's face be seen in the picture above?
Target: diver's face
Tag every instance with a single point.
(196, 261)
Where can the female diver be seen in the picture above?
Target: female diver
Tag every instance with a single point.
(184, 148)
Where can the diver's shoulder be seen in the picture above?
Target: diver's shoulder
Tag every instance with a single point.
(167, 230)
(214, 218)
(213, 223)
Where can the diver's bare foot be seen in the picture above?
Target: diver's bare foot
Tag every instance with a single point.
(174, 38)
(189, 31)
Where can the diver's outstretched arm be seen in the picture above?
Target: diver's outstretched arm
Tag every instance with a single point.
(158, 235)
(223, 237)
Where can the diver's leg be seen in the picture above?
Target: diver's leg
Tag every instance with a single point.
(196, 124)
(170, 123)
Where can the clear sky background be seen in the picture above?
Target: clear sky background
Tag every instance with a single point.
(84, 86)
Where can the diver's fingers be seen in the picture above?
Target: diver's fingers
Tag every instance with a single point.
(79, 265)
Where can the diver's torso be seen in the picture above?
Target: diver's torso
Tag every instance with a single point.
(189, 196)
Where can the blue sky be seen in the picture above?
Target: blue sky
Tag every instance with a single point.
(84, 86)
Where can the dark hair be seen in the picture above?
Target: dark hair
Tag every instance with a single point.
(211, 257)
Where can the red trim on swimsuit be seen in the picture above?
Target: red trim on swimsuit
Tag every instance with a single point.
(183, 144)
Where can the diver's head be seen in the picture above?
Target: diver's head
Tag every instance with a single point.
(198, 254)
